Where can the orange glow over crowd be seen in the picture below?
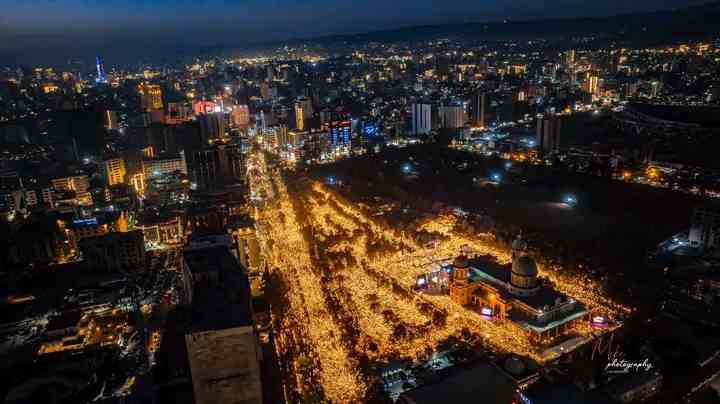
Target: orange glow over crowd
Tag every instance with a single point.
(347, 271)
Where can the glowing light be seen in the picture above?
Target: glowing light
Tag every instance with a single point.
(599, 322)
(344, 268)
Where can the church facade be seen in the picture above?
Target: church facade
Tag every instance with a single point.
(515, 293)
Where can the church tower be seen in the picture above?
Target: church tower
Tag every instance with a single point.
(461, 269)
(524, 272)
(460, 287)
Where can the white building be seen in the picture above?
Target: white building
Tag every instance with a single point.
(421, 119)
(164, 166)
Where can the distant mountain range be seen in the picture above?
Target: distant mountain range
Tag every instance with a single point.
(698, 22)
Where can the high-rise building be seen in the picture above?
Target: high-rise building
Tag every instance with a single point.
(452, 117)
(167, 189)
(421, 119)
(245, 239)
(295, 138)
(547, 137)
(592, 84)
(276, 137)
(115, 251)
(150, 96)
(162, 229)
(114, 170)
(101, 77)
(164, 165)
(164, 139)
(299, 118)
(339, 133)
(216, 166)
(614, 60)
(221, 344)
(477, 109)
(110, 120)
(315, 145)
(705, 227)
(303, 111)
(75, 183)
(178, 113)
(212, 126)
(240, 116)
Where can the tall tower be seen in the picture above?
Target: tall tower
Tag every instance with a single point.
(524, 272)
(303, 111)
(100, 78)
(592, 84)
(547, 136)
(519, 247)
(421, 119)
(460, 287)
(461, 269)
(340, 133)
(300, 114)
(477, 107)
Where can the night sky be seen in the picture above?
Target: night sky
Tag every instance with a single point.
(50, 29)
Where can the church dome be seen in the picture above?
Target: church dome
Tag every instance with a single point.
(519, 245)
(524, 266)
(460, 261)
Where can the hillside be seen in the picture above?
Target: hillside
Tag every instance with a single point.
(687, 23)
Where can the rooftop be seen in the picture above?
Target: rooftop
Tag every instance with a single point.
(224, 366)
(205, 241)
(480, 382)
(630, 382)
(63, 321)
(483, 267)
(221, 296)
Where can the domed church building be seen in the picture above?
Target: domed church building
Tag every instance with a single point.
(514, 292)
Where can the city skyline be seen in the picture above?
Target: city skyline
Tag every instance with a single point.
(45, 31)
(194, 212)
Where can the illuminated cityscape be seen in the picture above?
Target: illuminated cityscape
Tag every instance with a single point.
(393, 202)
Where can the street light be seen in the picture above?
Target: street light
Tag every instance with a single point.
(570, 200)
